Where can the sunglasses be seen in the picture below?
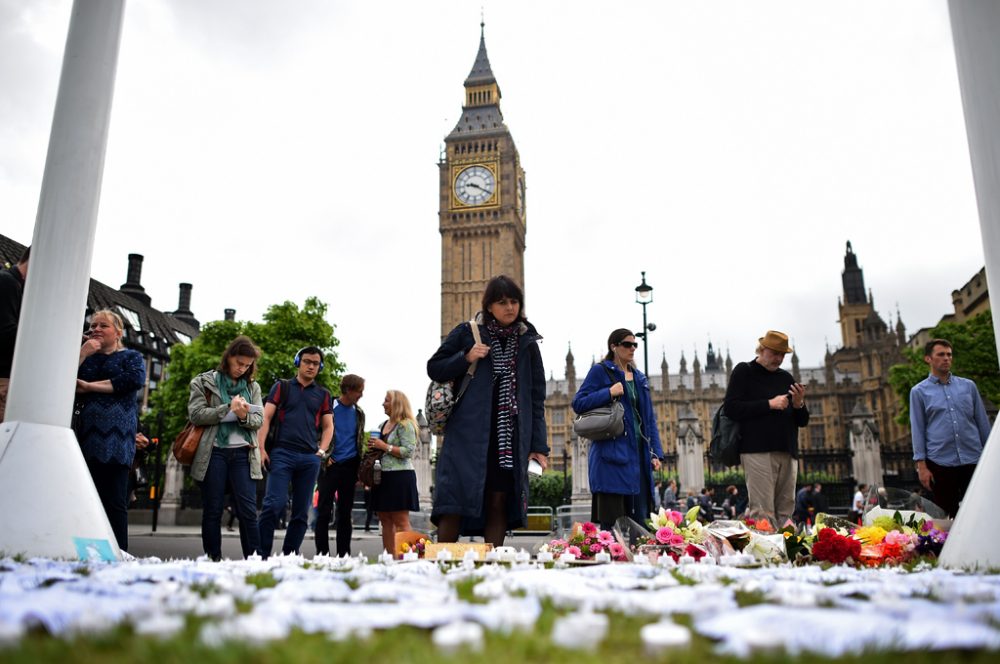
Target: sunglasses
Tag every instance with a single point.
(629, 344)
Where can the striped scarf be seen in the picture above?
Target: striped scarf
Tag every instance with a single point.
(503, 350)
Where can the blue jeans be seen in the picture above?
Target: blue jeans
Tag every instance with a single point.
(229, 466)
(301, 469)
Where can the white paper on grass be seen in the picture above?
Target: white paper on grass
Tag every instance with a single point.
(872, 609)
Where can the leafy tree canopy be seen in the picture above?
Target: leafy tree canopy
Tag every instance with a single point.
(286, 328)
(975, 353)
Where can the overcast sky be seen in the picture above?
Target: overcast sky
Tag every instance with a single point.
(729, 149)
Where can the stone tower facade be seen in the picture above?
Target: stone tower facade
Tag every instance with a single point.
(482, 207)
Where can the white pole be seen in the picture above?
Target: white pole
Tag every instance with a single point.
(55, 295)
(975, 27)
(51, 506)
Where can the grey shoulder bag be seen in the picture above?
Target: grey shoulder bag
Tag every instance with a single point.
(604, 422)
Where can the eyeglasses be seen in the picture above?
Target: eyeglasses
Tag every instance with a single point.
(629, 344)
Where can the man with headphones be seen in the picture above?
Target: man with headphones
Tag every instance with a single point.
(302, 416)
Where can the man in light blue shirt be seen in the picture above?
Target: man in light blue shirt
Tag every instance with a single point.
(949, 427)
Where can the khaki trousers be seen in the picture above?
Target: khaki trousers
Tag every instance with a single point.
(771, 483)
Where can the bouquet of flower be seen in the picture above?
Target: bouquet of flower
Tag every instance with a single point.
(586, 541)
(673, 533)
(417, 547)
(831, 546)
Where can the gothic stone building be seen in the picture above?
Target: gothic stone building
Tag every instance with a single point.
(852, 431)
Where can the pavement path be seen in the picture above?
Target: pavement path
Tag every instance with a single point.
(185, 542)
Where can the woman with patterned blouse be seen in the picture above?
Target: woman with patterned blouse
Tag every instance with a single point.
(107, 386)
(396, 495)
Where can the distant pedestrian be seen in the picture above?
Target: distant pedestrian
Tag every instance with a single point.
(858, 503)
(730, 502)
(669, 500)
(707, 511)
(803, 511)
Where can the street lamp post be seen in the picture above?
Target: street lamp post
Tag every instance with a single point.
(644, 296)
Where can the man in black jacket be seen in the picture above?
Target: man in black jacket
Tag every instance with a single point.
(11, 292)
(770, 407)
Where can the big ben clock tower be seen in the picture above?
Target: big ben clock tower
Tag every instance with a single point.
(482, 203)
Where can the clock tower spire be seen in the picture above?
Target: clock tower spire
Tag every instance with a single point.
(481, 211)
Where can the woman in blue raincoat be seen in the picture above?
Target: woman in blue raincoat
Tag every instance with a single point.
(621, 469)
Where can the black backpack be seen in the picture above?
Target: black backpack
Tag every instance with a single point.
(279, 415)
(725, 446)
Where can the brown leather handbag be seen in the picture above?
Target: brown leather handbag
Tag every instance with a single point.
(187, 441)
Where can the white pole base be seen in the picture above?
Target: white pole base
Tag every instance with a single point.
(973, 543)
(50, 505)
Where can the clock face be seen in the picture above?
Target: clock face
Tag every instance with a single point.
(475, 185)
(520, 196)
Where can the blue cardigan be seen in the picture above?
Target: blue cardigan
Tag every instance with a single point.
(615, 464)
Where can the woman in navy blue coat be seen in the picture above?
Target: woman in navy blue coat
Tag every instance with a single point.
(621, 469)
(481, 485)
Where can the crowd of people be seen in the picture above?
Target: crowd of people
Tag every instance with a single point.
(309, 443)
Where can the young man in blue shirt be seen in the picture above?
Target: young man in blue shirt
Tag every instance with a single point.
(306, 415)
(949, 427)
(340, 474)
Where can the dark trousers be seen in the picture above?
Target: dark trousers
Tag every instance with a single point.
(111, 480)
(299, 468)
(230, 466)
(949, 485)
(339, 479)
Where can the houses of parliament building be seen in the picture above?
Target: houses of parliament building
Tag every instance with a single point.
(482, 219)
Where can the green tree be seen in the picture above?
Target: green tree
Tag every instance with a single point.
(548, 489)
(975, 352)
(285, 329)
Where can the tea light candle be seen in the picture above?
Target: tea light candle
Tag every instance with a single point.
(444, 555)
(567, 557)
(507, 554)
(666, 560)
(385, 557)
(522, 556)
(492, 556)
(707, 560)
(602, 557)
(544, 557)
(470, 555)
(641, 559)
(662, 636)
(686, 560)
(410, 556)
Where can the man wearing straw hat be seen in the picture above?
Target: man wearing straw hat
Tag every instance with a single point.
(770, 407)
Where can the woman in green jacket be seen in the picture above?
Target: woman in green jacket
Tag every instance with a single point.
(227, 402)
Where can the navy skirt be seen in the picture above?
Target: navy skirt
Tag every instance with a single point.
(397, 492)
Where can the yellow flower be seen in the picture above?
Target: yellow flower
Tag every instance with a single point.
(870, 534)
